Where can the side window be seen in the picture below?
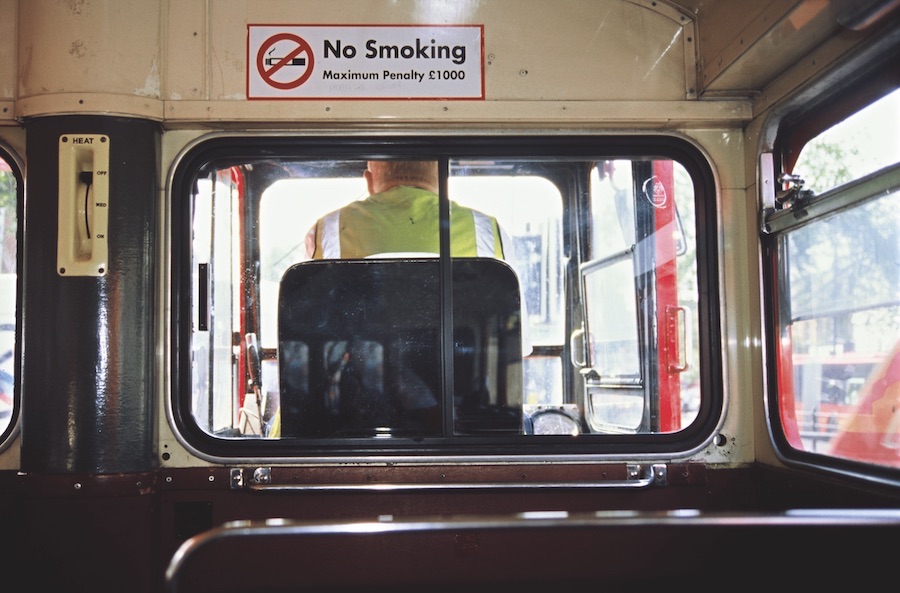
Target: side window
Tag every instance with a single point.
(9, 199)
(512, 300)
(835, 239)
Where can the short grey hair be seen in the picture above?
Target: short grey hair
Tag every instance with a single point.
(388, 174)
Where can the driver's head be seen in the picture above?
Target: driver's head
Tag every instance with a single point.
(384, 175)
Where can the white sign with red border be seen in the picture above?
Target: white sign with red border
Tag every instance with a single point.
(365, 62)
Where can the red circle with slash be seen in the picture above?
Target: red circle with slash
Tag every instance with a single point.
(267, 74)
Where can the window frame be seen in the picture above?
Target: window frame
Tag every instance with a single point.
(223, 148)
(800, 128)
(7, 436)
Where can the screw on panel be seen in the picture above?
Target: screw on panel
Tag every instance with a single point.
(262, 475)
(660, 474)
(237, 478)
(633, 471)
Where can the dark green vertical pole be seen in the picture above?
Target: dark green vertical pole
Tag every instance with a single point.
(88, 341)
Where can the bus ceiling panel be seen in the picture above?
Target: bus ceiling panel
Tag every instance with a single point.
(746, 46)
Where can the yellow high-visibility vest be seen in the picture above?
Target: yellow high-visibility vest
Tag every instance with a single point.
(404, 220)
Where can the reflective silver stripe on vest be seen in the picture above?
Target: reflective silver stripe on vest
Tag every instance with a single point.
(484, 235)
(331, 236)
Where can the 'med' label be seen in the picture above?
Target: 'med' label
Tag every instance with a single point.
(365, 62)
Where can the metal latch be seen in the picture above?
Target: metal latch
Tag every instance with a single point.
(241, 478)
(655, 474)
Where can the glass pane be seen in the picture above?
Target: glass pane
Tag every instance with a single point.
(359, 365)
(517, 218)
(528, 210)
(522, 216)
(487, 348)
(612, 208)
(288, 209)
(612, 319)
(8, 258)
(357, 352)
(543, 380)
(841, 333)
(640, 291)
(616, 410)
(863, 143)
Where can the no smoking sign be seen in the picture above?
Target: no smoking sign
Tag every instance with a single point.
(365, 62)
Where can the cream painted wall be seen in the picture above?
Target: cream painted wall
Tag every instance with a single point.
(185, 61)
